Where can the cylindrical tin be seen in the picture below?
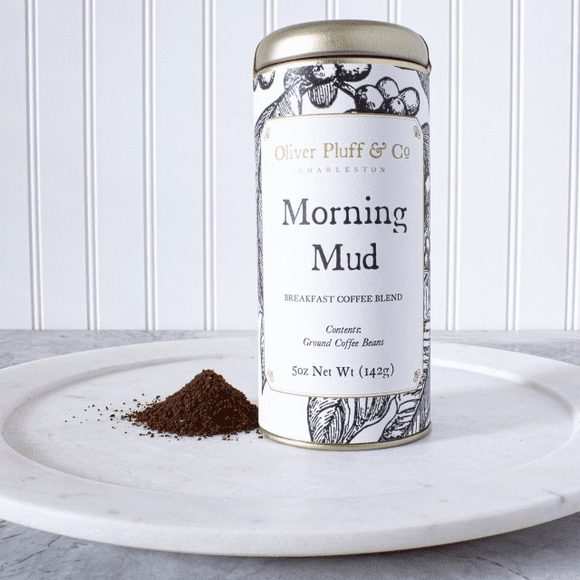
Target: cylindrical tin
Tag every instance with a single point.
(343, 202)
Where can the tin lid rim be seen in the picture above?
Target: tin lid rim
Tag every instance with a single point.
(328, 38)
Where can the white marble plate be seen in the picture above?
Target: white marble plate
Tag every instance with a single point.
(503, 454)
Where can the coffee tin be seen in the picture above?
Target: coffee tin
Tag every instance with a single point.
(343, 201)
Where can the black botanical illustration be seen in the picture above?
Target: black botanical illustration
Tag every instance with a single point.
(340, 420)
(264, 81)
(424, 80)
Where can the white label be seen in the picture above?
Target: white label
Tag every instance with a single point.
(342, 203)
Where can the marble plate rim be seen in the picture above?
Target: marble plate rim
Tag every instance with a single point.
(34, 495)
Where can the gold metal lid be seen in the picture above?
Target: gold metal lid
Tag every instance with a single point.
(327, 38)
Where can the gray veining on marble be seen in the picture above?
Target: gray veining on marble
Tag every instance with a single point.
(550, 551)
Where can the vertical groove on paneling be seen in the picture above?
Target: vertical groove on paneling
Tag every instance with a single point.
(269, 16)
(33, 167)
(209, 128)
(515, 164)
(90, 164)
(455, 67)
(394, 11)
(149, 192)
(572, 281)
(331, 9)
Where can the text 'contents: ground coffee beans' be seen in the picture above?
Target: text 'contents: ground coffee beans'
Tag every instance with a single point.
(208, 405)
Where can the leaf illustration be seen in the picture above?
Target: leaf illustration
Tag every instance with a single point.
(407, 405)
(423, 415)
(424, 80)
(265, 80)
(368, 411)
(426, 148)
(327, 419)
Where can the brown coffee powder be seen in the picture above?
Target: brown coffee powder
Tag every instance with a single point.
(208, 405)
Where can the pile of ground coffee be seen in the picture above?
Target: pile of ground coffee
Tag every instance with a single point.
(208, 405)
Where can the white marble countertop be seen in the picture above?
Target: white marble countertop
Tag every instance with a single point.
(547, 551)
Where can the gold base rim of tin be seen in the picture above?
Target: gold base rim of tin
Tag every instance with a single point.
(345, 446)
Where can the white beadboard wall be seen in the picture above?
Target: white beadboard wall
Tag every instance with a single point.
(126, 159)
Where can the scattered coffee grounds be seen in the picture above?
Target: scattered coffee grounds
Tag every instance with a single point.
(208, 405)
